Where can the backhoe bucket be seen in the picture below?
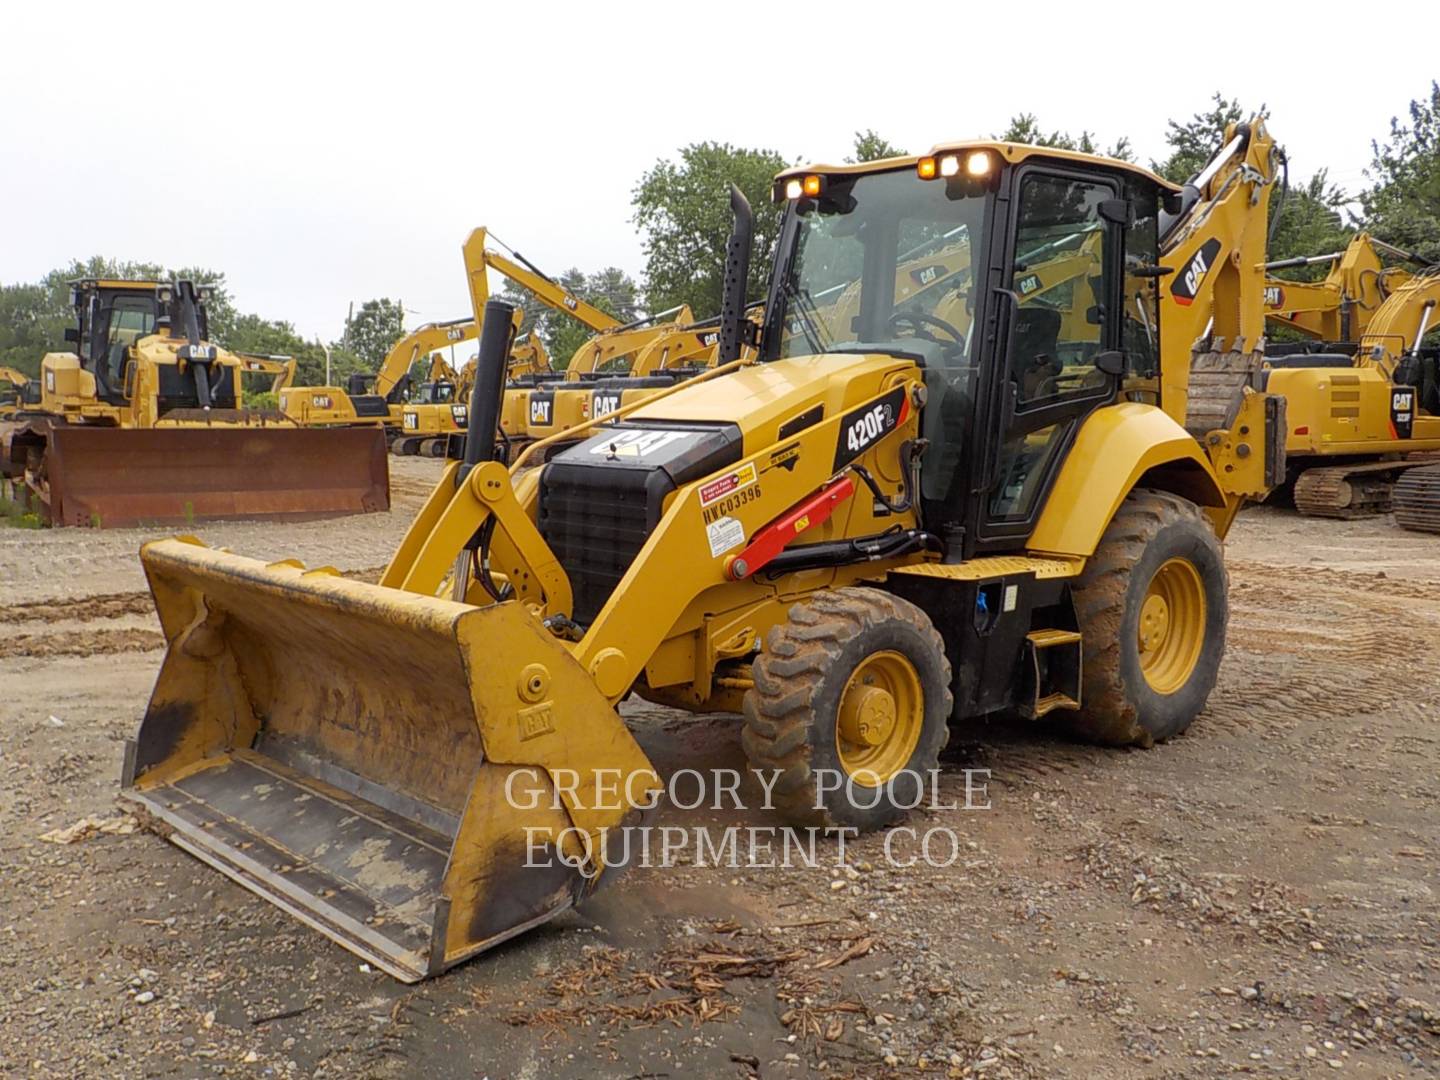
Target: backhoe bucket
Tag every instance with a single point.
(393, 769)
(124, 476)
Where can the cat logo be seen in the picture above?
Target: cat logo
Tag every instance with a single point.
(1195, 272)
(1402, 412)
(455, 333)
(460, 414)
(1274, 296)
(541, 408)
(571, 303)
(320, 401)
(605, 401)
(1028, 284)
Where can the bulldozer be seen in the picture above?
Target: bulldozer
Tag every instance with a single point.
(864, 530)
(1361, 419)
(142, 422)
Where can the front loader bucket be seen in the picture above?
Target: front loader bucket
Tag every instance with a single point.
(124, 476)
(378, 763)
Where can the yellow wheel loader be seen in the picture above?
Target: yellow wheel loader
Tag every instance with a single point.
(875, 526)
(1358, 423)
(143, 423)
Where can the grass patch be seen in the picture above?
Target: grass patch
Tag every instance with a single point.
(13, 514)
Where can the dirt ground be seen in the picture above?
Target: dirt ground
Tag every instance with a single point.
(1256, 897)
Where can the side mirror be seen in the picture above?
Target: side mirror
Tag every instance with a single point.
(1117, 211)
(1110, 362)
(72, 335)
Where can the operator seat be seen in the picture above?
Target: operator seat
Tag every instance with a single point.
(1034, 360)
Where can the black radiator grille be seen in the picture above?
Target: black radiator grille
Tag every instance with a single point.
(596, 521)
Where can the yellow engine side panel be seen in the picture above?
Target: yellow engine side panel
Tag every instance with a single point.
(1345, 411)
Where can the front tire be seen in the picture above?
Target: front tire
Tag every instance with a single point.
(1152, 606)
(850, 706)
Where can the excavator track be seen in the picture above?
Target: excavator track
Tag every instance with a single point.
(1416, 499)
(1347, 491)
(1217, 380)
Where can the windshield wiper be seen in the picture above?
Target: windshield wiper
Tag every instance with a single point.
(810, 323)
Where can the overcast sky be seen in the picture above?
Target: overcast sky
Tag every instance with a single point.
(323, 154)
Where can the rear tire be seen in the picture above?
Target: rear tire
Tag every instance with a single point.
(851, 694)
(1152, 607)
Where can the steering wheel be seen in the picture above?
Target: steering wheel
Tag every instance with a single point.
(917, 321)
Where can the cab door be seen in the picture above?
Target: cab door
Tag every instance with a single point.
(1058, 335)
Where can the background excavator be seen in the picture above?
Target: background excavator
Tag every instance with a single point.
(374, 400)
(1338, 308)
(439, 408)
(930, 517)
(279, 369)
(143, 422)
(1359, 417)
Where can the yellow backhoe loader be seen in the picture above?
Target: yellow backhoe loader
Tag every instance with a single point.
(1357, 423)
(142, 423)
(872, 527)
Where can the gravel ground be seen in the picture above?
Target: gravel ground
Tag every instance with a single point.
(1256, 897)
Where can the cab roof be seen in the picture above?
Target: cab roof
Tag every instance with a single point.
(115, 283)
(1011, 152)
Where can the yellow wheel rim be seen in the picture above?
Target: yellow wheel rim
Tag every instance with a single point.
(881, 713)
(1171, 631)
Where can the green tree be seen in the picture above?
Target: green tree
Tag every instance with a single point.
(1403, 204)
(683, 211)
(869, 146)
(1025, 128)
(275, 337)
(371, 332)
(1309, 223)
(1192, 142)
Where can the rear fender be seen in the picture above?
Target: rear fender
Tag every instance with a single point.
(1119, 448)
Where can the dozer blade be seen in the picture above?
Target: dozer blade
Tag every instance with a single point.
(124, 476)
(380, 764)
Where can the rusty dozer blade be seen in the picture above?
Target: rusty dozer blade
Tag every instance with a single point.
(125, 476)
(385, 766)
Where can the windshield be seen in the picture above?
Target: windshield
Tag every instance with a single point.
(881, 262)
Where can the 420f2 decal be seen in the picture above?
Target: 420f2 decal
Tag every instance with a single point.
(863, 427)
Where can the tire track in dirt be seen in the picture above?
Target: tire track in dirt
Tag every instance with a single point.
(85, 643)
(79, 609)
(1316, 643)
